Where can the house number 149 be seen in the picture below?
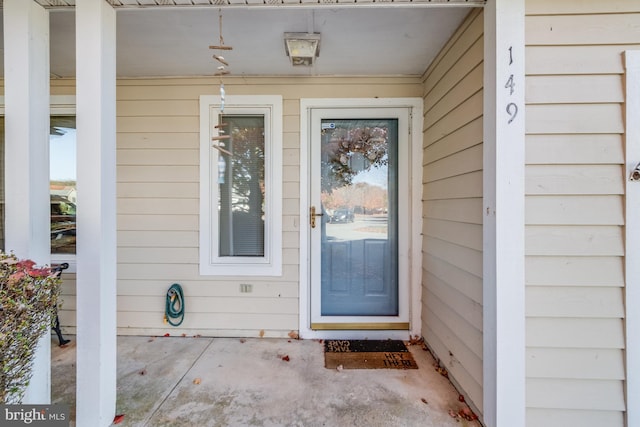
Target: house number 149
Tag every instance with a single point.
(512, 107)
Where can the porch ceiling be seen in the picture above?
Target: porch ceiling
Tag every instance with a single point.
(357, 40)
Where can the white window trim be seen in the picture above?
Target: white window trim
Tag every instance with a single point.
(632, 231)
(210, 262)
(60, 105)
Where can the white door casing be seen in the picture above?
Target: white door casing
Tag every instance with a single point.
(410, 117)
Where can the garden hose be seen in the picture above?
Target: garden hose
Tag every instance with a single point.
(174, 306)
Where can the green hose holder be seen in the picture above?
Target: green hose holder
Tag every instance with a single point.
(174, 305)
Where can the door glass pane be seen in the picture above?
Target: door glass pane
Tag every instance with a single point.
(359, 249)
(62, 190)
(241, 186)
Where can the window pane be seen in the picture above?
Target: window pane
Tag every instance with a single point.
(241, 186)
(62, 143)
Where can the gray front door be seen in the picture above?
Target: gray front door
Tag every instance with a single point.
(358, 189)
(359, 215)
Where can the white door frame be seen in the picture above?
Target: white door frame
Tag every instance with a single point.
(414, 229)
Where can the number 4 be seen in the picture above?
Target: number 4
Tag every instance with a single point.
(510, 84)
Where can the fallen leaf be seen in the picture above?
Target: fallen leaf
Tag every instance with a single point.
(467, 414)
(415, 340)
(461, 398)
(339, 368)
(424, 401)
(242, 340)
(197, 381)
(452, 413)
(294, 335)
(167, 334)
(442, 371)
(184, 335)
(261, 333)
(197, 336)
(285, 358)
(118, 419)
(151, 340)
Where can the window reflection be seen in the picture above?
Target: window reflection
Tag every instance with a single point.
(62, 140)
(355, 165)
(63, 194)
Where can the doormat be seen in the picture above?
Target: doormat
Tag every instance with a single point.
(367, 354)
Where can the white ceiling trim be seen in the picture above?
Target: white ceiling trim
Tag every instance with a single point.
(61, 4)
(161, 41)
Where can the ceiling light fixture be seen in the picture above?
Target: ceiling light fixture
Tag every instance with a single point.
(302, 48)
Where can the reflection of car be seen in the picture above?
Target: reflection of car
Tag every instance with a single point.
(63, 225)
(62, 210)
(341, 215)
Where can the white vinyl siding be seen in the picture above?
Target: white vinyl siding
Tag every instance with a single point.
(452, 208)
(158, 206)
(575, 210)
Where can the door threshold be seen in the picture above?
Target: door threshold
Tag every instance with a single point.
(355, 326)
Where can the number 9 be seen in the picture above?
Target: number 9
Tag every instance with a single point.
(512, 110)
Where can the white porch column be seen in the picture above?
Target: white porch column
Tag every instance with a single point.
(503, 226)
(26, 90)
(96, 240)
(632, 236)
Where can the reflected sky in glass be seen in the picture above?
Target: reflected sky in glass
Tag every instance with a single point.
(62, 160)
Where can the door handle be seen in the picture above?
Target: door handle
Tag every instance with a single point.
(313, 215)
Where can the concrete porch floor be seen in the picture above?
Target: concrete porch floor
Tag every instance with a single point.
(178, 381)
